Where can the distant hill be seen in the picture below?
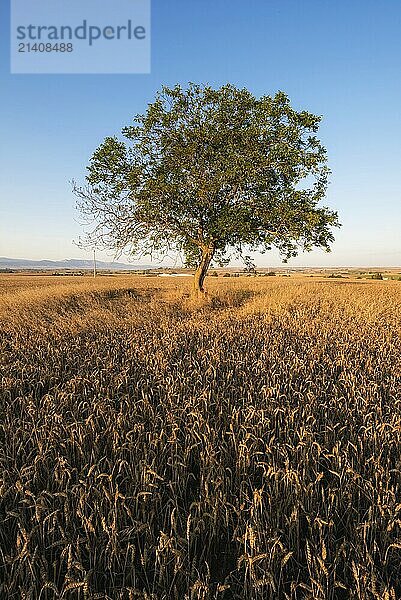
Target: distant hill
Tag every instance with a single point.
(70, 263)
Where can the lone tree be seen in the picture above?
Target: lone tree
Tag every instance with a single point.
(210, 173)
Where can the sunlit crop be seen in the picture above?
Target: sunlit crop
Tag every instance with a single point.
(246, 447)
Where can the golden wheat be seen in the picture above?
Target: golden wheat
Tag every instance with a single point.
(247, 447)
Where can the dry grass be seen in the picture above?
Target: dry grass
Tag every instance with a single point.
(245, 448)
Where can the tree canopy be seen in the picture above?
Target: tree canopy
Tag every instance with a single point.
(211, 173)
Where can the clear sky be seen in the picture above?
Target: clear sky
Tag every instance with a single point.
(340, 59)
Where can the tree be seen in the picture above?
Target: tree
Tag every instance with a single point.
(210, 173)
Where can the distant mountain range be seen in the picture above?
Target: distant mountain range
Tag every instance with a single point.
(70, 263)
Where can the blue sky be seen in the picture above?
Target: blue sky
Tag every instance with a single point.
(337, 59)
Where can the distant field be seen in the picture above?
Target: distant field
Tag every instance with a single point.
(158, 448)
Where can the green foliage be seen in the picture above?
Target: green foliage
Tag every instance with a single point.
(215, 171)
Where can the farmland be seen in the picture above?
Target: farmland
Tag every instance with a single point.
(247, 447)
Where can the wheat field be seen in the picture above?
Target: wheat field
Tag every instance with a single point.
(247, 447)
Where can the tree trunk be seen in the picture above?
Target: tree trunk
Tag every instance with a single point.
(200, 273)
